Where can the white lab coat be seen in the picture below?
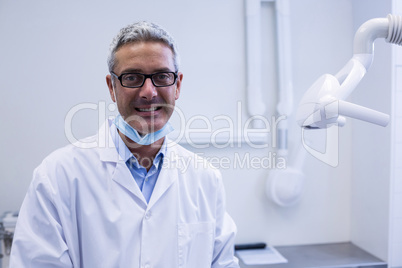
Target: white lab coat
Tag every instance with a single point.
(84, 209)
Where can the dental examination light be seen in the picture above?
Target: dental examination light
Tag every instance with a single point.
(323, 104)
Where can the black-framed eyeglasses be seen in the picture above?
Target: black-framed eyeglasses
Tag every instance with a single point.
(133, 80)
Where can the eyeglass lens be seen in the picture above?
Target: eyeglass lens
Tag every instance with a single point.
(158, 79)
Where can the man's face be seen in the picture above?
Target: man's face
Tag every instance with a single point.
(147, 108)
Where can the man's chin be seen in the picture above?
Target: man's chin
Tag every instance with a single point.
(149, 130)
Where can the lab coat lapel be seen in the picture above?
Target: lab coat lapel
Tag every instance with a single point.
(121, 173)
(167, 176)
(122, 176)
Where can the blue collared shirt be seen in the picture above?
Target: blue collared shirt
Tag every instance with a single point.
(145, 180)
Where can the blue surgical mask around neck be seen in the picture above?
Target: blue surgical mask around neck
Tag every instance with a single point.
(133, 134)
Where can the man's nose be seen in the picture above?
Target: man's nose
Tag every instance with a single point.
(148, 90)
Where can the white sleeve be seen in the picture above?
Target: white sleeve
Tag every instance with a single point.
(39, 238)
(224, 234)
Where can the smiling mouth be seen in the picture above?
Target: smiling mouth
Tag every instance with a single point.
(152, 109)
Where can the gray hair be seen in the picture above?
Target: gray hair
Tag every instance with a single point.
(142, 31)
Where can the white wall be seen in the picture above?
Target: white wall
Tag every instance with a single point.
(53, 57)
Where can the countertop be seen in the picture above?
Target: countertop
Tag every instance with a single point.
(324, 255)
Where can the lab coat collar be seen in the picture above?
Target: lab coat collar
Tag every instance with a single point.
(106, 147)
(122, 175)
(108, 153)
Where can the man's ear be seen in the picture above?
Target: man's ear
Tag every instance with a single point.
(109, 83)
(178, 85)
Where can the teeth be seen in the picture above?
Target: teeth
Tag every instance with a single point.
(148, 110)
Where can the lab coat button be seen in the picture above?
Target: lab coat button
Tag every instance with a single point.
(148, 215)
(147, 266)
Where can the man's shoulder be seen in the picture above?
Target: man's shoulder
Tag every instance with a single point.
(68, 151)
(185, 158)
(72, 156)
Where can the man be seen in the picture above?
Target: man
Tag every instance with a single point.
(127, 204)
